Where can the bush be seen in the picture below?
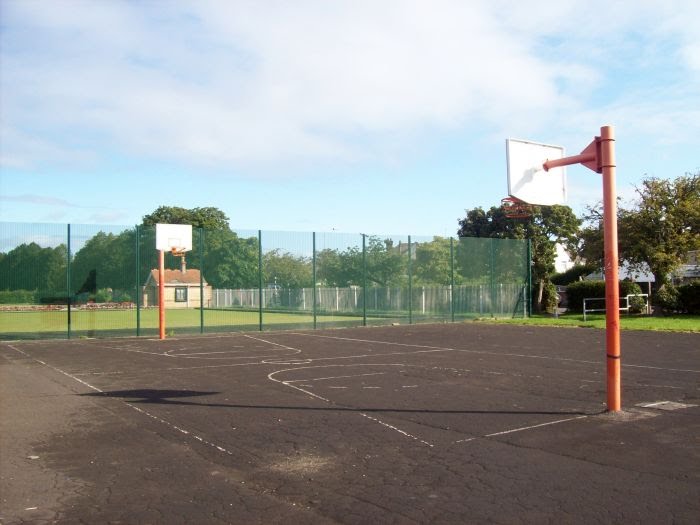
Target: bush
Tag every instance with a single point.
(578, 291)
(689, 297)
(17, 297)
(549, 298)
(103, 295)
(666, 298)
(121, 296)
(573, 275)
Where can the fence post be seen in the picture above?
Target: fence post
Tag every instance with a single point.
(529, 277)
(138, 280)
(68, 283)
(364, 280)
(313, 271)
(201, 280)
(260, 282)
(410, 284)
(452, 279)
(491, 277)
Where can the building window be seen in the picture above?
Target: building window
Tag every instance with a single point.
(180, 295)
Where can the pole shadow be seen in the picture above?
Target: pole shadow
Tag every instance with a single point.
(178, 397)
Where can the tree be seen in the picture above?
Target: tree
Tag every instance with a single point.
(209, 218)
(658, 230)
(286, 270)
(432, 264)
(31, 267)
(110, 260)
(545, 228)
(230, 261)
(382, 265)
(385, 266)
(664, 226)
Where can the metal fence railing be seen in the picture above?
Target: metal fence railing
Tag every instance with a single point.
(100, 281)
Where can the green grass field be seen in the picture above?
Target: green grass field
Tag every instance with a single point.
(674, 323)
(33, 324)
(54, 323)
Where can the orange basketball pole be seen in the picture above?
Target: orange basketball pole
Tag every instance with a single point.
(612, 290)
(161, 293)
(599, 156)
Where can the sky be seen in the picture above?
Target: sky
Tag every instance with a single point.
(319, 115)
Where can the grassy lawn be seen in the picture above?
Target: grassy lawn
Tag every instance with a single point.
(55, 322)
(32, 324)
(675, 323)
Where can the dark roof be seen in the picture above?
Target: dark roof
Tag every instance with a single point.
(177, 277)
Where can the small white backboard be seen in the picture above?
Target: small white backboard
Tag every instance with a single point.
(527, 178)
(171, 237)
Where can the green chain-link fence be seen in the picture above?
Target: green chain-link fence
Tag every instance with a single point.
(101, 281)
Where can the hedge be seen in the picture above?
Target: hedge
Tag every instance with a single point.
(17, 297)
(578, 291)
(689, 297)
(573, 274)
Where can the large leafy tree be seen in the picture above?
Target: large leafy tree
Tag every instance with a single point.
(433, 263)
(31, 267)
(664, 226)
(209, 218)
(658, 230)
(230, 261)
(106, 260)
(385, 265)
(287, 270)
(382, 262)
(546, 227)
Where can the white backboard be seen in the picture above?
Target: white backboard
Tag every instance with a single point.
(169, 236)
(527, 179)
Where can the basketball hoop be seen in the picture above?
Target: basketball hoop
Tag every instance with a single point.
(515, 208)
(178, 252)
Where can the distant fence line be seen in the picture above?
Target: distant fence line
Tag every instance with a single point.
(67, 280)
(425, 300)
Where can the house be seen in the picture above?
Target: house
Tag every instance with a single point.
(643, 276)
(687, 272)
(182, 288)
(690, 271)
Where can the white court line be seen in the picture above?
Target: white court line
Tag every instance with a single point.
(521, 429)
(396, 429)
(662, 368)
(481, 352)
(336, 377)
(296, 350)
(387, 425)
(205, 353)
(130, 405)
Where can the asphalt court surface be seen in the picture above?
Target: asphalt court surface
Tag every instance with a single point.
(405, 424)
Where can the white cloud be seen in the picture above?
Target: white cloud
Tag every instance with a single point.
(224, 83)
(37, 199)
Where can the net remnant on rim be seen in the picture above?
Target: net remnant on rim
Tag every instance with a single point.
(514, 208)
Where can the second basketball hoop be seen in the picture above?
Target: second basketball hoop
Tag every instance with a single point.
(175, 238)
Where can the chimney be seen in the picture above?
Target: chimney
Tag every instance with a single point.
(183, 264)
